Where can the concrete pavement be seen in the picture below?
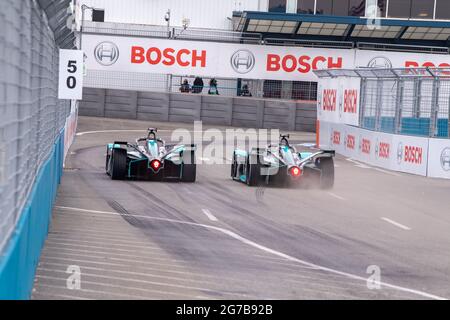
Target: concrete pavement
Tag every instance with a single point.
(219, 239)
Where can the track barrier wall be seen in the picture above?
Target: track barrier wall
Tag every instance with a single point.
(21, 255)
(216, 110)
(410, 154)
(33, 127)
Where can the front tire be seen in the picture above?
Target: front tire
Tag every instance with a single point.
(253, 170)
(326, 165)
(118, 164)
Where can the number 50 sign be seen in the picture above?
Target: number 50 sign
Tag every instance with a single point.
(70, 74)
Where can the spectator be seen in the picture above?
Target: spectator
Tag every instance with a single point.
(213, 87)
(185, 87)
(245, 92)
(198, 85)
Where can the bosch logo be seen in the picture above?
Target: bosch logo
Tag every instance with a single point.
(350, 101)
(445, 159)
(350, 142)
(243, 61)
(329, 99)
(106, 53)
(365, 146)
(336, 137)
(384, 150)
(413, 155)
(380, 62)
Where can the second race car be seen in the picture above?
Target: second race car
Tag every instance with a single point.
(283, 165)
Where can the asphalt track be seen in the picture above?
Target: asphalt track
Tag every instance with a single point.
(219, 239)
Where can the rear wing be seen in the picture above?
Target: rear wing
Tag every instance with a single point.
(318, 154)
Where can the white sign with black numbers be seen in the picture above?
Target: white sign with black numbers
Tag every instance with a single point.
(70, 74)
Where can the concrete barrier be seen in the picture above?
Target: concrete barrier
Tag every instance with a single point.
(177, 107)
(20, 259)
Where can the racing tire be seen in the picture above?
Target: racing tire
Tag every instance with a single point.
(326, 165)
(118, 164)
(253, 170)
(189, 171)
(107, 160)
(234, 167)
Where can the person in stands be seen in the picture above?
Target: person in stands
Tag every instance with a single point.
(245, 92)
(213, 87)
(198, 85)
(185, 87)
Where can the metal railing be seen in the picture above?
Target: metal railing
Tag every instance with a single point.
(155, 31)
(31, 117)
(411, 101)
(401, 48)
(309, 43)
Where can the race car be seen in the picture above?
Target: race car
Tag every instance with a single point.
(283, 165)
(150, 158)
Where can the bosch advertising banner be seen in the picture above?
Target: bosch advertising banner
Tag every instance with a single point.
(226, 60)
(233, 60)
(388, 59)
(394, 152)
(338, 100)
(439, 158)
(384, 152)
(411, 154)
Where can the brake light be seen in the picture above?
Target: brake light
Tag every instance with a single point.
(155, 164)
(295, 172)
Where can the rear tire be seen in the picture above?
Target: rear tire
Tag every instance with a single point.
(118, 164)
(189, 170)
(234, 167)
(253, 170)
(326, 165)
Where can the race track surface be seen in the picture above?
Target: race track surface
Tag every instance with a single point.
(219, 239)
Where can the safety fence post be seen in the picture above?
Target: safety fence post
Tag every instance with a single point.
(434, 107)
(399, 106)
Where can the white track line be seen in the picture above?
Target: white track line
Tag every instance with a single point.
(387, 172)
(209, 215)
(401, 226)
(358, 164)
(336, 196)
(268, 250)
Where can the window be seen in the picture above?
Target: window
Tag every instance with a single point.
(442, 9)
(305, 6)
(340, 7)
(400, 8)
(356, 8)
(98, 15)
(277, 5)
(422, 9)
(382, 6)
(324, 7)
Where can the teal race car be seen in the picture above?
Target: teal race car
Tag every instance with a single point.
(283, 165)
(150, 158)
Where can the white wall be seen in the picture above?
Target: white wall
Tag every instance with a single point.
(202, 13)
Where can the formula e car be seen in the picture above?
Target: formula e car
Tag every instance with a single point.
(283, 165)
(150, 158)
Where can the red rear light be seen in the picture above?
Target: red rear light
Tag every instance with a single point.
(155, 164)
(295, 172)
